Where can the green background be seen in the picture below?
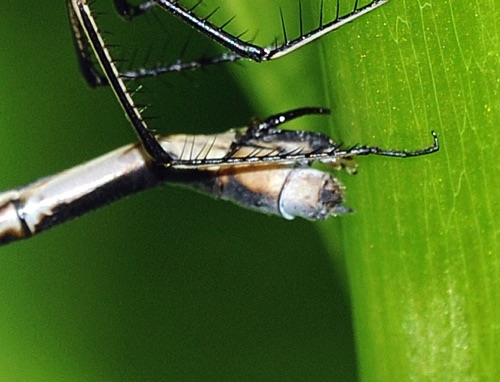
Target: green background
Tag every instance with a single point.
(172, 285)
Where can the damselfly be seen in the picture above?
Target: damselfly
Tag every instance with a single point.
(261, 166)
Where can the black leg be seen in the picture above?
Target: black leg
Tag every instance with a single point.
(371, 150)
(179, 66)
(254, 52)
(286, 145)
(89, 70)
(238, 48)
(81, 13)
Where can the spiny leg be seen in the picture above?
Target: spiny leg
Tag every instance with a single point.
(238, 48)
(291, 147)
(374, 150)
(317, 147)
(178, 66)
(268, 127)
(267, 131)
(260, 134)
(90, 72)
(254, 52)
(129, 11)
(80, 11)
(95, 78)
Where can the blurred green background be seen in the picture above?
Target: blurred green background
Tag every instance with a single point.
(168, 284)
(171, 285)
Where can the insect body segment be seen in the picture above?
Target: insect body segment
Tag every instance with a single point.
(284, 190)
(289, 192)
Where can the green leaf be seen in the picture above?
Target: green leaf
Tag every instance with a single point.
(422, 248)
